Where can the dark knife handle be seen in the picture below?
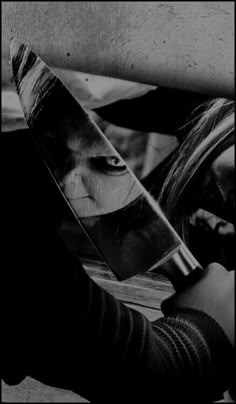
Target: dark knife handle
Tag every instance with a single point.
(182, 269)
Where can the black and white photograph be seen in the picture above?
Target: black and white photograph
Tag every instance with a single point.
(118, 202)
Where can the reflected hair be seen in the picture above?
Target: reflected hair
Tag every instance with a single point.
(211, 131)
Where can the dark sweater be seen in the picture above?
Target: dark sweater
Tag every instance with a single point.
(65, 331)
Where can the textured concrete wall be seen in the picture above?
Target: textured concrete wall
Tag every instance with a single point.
(187, 45)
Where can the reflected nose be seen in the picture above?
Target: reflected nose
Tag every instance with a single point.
(75, 183)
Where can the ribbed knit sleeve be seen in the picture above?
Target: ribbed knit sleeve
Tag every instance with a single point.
(83, 339)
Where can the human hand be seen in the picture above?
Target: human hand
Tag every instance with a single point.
(212, 294)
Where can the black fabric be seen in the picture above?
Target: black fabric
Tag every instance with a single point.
(62, 329)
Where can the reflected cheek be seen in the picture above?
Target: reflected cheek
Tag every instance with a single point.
(103, 189)
(99, 188)
(94, 185)
(74, 184)
(115, 192)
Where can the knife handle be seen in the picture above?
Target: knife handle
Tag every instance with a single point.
(182, 269)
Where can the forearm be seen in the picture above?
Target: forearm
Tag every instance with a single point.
(97, 347)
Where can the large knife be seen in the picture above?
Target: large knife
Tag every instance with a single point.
(121, 219)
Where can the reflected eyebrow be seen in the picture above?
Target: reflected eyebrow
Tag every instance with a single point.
(87, 154)
(96, 149)
(101, 149)
(103, 154)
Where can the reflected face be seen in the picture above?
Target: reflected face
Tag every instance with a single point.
(96, 181)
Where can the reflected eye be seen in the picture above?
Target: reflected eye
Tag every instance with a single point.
(115, 162)
(111, 165)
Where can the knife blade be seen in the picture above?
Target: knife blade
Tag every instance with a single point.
(122, 220)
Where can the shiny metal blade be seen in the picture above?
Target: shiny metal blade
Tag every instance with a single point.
(121, 218)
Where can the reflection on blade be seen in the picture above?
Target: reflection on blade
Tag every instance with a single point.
(124, 223)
